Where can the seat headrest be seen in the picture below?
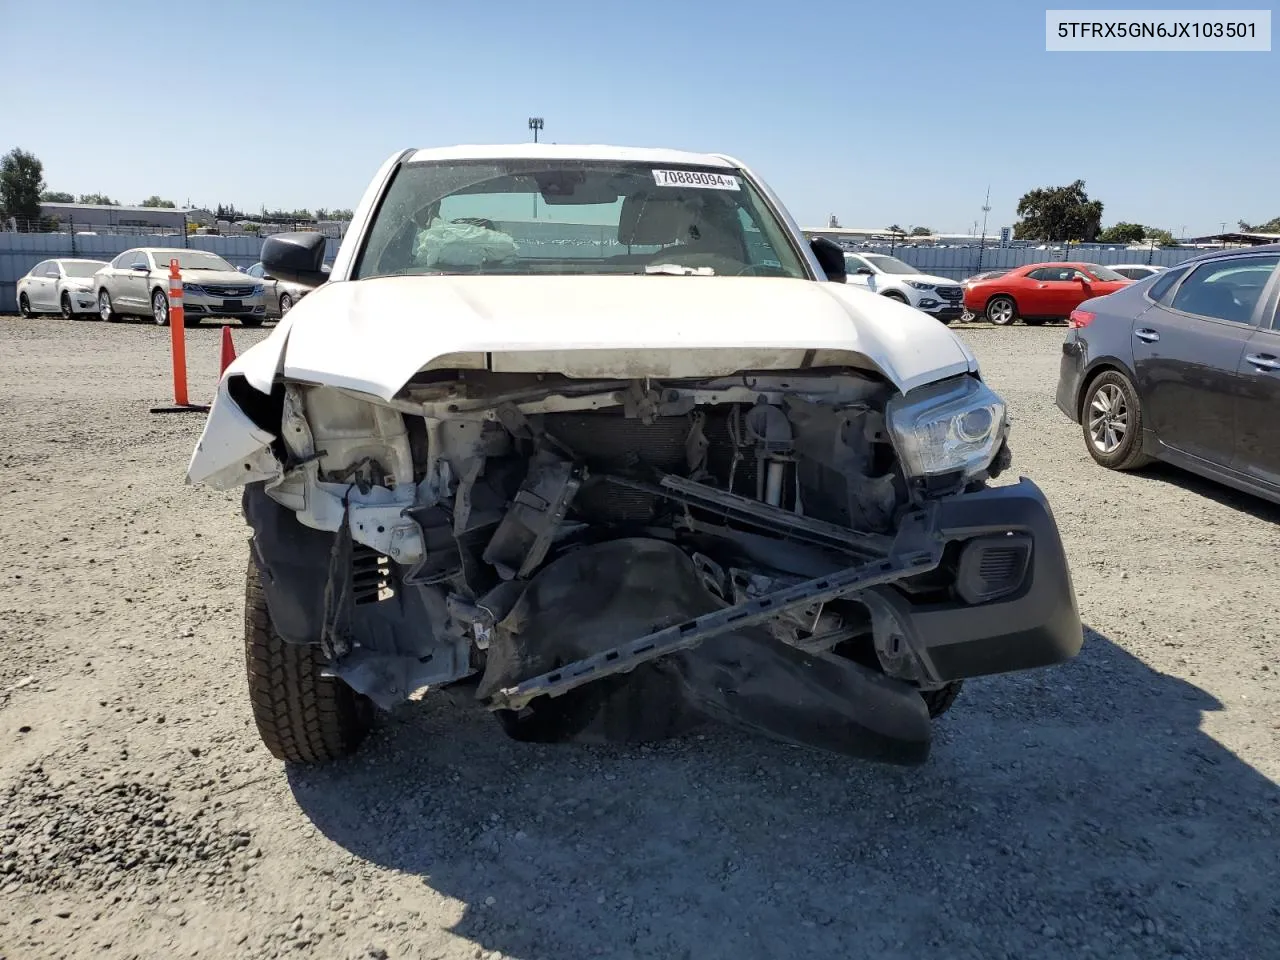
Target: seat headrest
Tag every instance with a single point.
(649, 220)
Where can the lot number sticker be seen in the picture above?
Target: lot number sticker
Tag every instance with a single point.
(695, 178)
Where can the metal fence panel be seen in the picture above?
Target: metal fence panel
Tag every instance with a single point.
(19, 252)
(957, 263)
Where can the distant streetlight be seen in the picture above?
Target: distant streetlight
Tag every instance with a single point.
(982, 242)
(535, 124)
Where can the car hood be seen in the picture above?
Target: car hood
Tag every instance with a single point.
(231, 277)
(374, 335)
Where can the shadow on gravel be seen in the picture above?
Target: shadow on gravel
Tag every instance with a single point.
(1227, 496)
(1077, 811)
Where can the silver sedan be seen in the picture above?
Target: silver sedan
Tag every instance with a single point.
(281, 295)
(58, 286)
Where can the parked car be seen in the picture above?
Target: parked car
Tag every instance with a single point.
(626, 487)
(892, 278)
(137, 283)
(1136, 271)
(280, 295)
(58, 286)
(1039, 292)
(1183, 367)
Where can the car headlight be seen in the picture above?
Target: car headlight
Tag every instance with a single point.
(955, 425)
(921, 285)
(193, 288)
(257, 291)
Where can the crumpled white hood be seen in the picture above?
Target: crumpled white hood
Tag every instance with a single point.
(373, 335)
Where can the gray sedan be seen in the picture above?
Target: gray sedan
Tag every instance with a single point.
(1183, 367)
(281, 294)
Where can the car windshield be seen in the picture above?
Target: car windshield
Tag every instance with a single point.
(1103, 273)
(78, 268)
(890, 264)
(191, 260)
(565, 217)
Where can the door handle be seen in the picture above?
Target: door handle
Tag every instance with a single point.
(1147, 335)
(1264, 361)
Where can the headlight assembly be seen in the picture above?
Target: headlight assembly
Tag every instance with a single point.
(921, 285)
(955, 425)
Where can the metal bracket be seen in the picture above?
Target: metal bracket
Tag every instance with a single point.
(683, 636)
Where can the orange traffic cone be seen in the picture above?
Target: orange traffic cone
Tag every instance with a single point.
(228, 350)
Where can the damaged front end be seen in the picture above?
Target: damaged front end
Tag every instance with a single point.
(811, 555)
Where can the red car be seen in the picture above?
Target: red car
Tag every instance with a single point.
(1039, 291)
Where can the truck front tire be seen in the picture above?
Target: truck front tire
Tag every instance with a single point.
(302, 716)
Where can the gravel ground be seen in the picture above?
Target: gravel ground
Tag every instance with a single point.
(1124, 805)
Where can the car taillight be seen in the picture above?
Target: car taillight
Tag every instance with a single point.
(1080, 318)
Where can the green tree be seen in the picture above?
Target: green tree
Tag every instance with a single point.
(921, 232)
(1162, 238)
(894, 228)
(57, 196)
(21, 182)
(101, 198)
(1123, 233)
(154, 201)
(341, 214)
(1058, 213)
(1271, 226)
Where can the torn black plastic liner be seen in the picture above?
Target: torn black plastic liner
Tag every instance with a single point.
(595, 597)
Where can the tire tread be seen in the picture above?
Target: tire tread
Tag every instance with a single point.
(301, 716)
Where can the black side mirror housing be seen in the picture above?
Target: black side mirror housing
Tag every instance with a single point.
(830, 257)
(864, 272)
(296, 257)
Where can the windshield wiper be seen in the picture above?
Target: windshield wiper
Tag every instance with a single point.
(675, 270)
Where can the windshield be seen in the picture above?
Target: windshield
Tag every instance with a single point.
(79, 268)
(561, 217)
(1104, 273)
(890, 264)
(191, 260)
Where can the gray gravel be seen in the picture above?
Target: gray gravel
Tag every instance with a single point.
(1124, 805)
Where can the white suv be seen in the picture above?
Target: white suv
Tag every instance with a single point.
(939, 297)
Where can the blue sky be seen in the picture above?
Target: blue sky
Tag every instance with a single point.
(878, 112)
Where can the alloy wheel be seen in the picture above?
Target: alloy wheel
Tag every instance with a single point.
(1108, 418)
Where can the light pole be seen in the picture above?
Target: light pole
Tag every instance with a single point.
(535, 124)
(982, 241)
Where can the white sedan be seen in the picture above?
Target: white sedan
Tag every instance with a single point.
(1137, 271)
(58, 286)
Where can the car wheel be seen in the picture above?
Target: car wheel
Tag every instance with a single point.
(302, 716)
(1111, 417)
(105, 310)
(895, 295)
(24, 306)
(940, 701)
(1001, 311)
(286, 304)
(67, 312)
(160, 308)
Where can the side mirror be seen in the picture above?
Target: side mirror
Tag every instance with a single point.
(864, 272)
(296, 257)
(139, 266)
(830, 257)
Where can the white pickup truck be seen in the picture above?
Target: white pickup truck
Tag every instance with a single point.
(595, 433)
